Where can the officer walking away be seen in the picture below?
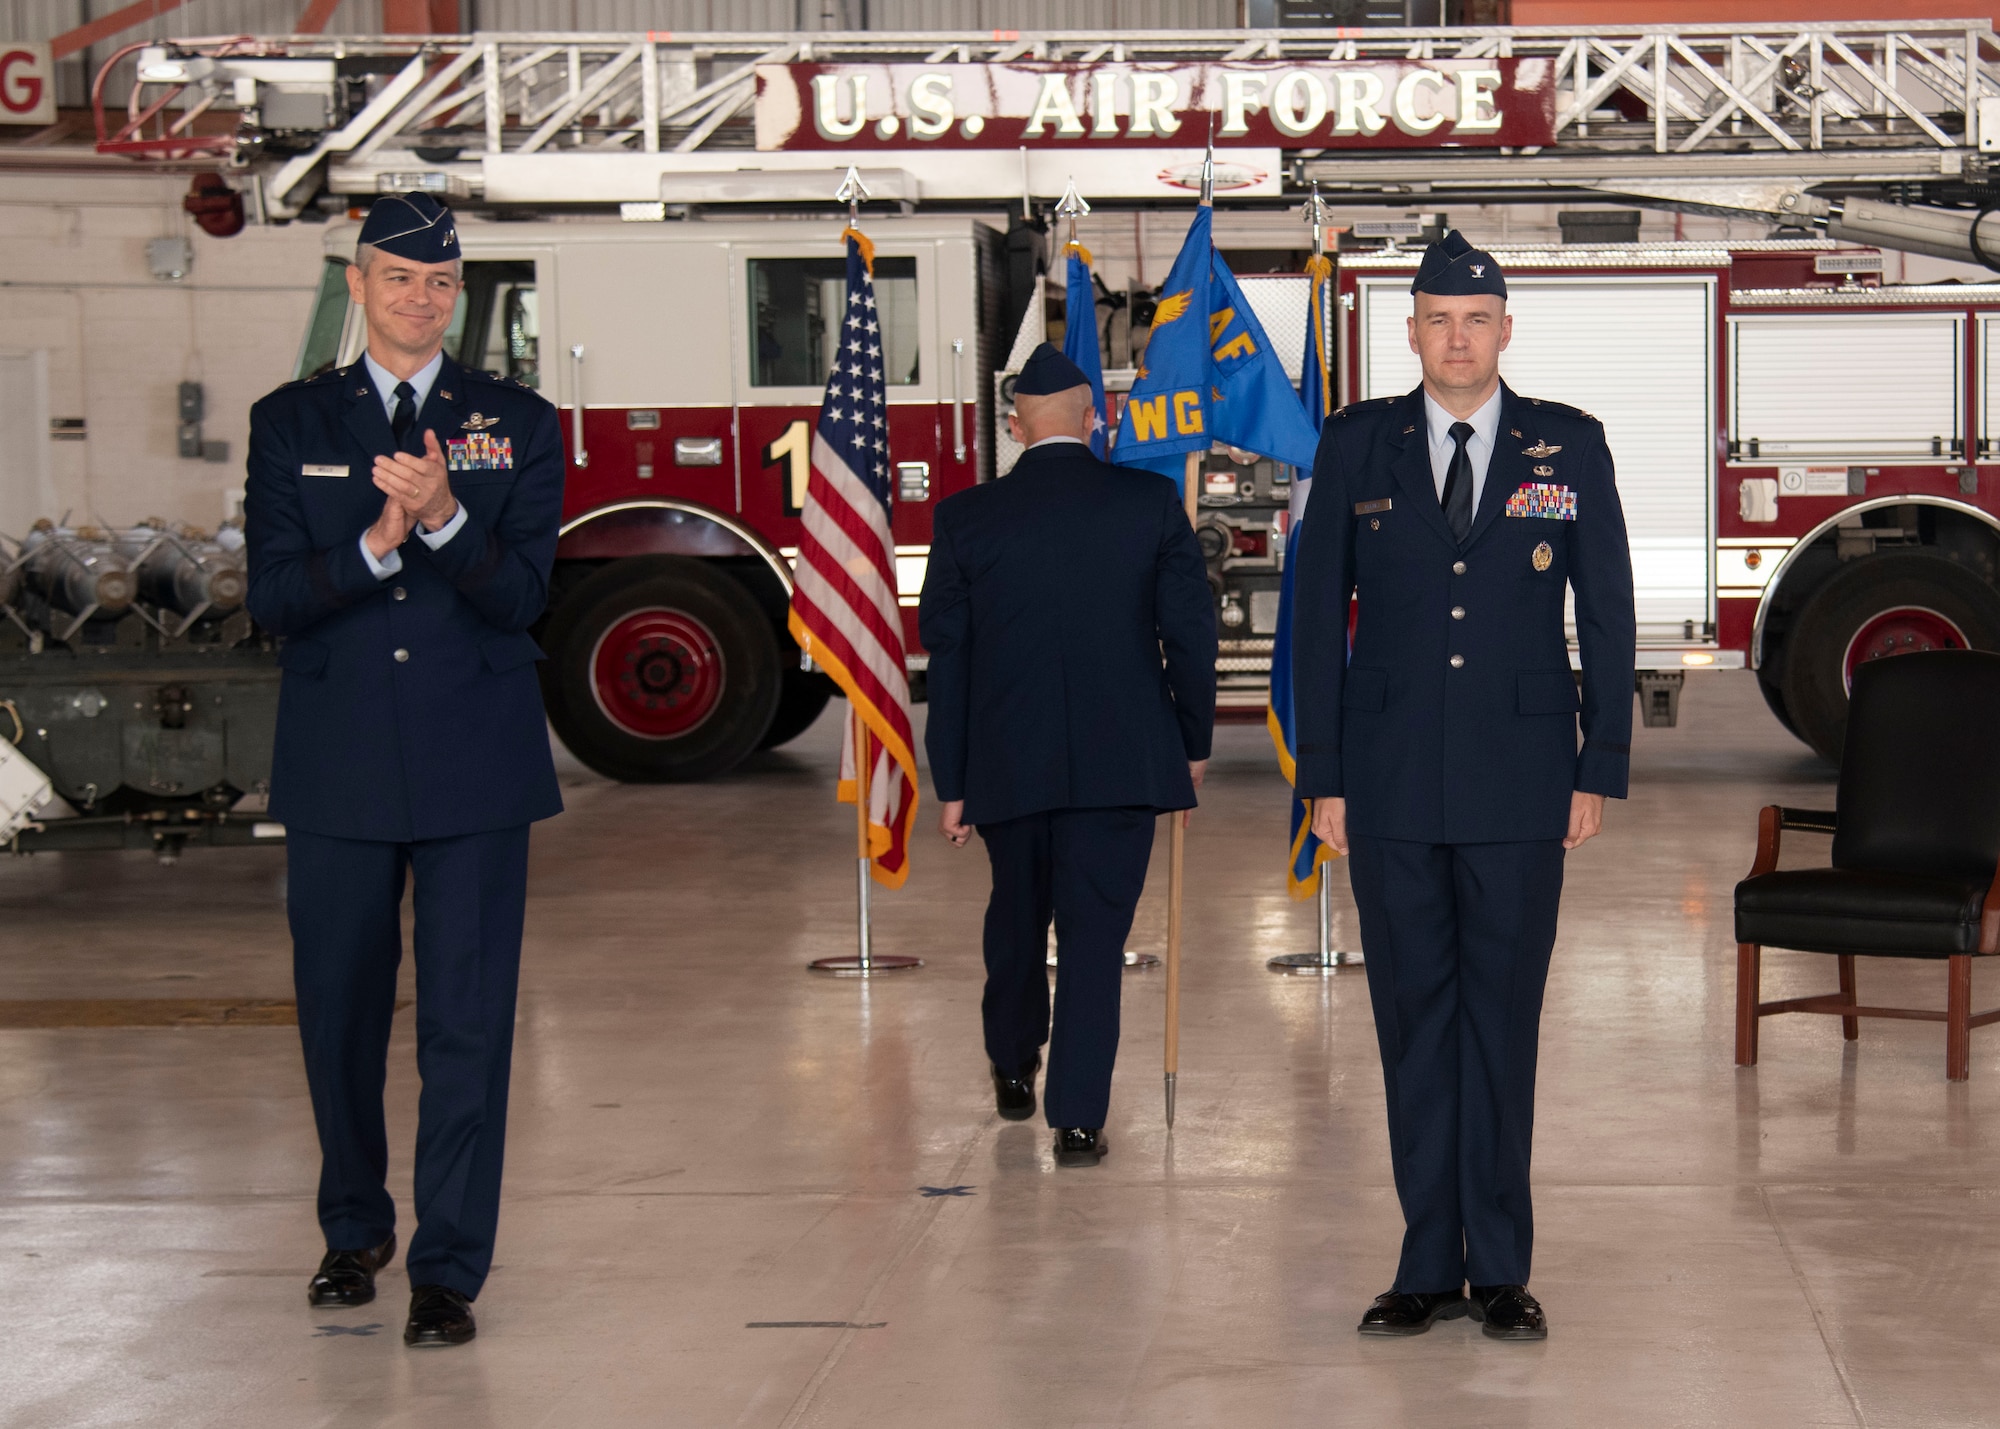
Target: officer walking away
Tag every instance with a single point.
(1060, 732)
(1442, 758)
(401, 516)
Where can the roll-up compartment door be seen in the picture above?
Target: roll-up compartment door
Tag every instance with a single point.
(1989, 389)
(1636, 354)
(1859, 386)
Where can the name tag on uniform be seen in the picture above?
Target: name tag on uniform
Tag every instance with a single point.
(309, 469)
(1369, 508)
(1550, 503)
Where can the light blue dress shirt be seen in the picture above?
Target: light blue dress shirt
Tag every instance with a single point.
(385, 387)
(1479, 450)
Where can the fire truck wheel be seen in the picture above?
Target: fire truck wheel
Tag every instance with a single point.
(663, 671)
(1885, 605)
(804, 695)
(1774, 699)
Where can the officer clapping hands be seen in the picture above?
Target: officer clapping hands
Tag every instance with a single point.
(419, 492)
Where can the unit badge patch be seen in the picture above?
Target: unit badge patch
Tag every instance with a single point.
(476, 422)
(1543, 557)
(1550, 503)
(479, 452)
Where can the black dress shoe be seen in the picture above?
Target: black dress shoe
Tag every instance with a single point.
(1080, 1145)
(1509, 1312)
(1014, 1097)
(1405, 1313)
(439, 1315)
(346, 1278)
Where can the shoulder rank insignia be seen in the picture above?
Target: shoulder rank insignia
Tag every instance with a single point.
(478, 423)
(1539, 449)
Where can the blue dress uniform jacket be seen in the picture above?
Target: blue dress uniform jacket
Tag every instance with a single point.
(410, 707)
(1072, 678)
(1050, 596)
(1455, 721)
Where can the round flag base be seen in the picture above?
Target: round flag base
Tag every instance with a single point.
(1140, 961)
(853, 966)
(1313, 964)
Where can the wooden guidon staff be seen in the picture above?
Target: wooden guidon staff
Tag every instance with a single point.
(1176, 854)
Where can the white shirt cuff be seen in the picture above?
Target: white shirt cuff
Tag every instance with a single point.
(388, 566)
(437, 538)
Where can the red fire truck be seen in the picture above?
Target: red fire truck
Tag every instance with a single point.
(1805, 452)
(1806, 455)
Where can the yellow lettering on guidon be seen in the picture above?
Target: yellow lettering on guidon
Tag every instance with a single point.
(1149, 418)
(1218, 320)
(1187, 413)
(1238, 346)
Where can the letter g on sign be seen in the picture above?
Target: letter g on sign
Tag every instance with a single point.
(26, 94)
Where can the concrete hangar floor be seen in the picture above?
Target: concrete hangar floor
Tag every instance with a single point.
(721, 1202)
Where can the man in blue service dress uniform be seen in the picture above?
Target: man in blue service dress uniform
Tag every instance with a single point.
(402, 517)
(1072, 697)
(1442, 759)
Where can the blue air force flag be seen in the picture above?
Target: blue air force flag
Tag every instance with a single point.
(1080, 338)
(1209, 374)
(1166, 415)
(1316, 399)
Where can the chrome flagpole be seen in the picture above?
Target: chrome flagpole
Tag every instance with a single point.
(864, 963)
(1327, 959)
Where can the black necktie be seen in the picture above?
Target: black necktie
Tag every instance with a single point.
(406, 413)
(1457, 499)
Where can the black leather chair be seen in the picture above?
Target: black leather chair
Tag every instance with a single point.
(1916, 850)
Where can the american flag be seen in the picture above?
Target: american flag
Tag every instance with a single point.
(844, 612)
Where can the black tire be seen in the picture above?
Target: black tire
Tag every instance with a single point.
(1951, 598)
(1774, 697)
(804, 695)
(688, 667)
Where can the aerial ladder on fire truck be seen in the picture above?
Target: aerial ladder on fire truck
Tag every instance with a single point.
(1877, 133)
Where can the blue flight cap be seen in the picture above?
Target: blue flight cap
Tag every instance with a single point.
(1453, 268)
(1047, 371)
(413, 226)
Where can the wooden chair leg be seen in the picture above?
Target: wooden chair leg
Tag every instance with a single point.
(1958, 1020)
(1850, 1027)
(1748, 960)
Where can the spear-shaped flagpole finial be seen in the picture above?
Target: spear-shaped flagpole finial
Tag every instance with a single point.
(853, 193)
(1208, 166)
(1314, 212)
(1072, 207)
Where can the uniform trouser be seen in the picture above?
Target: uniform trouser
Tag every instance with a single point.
(1457, 938)
(1085, 868)
(344, 900)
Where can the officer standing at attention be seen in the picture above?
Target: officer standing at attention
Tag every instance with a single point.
(401, 517)
(1058, 731)
(1442, 758)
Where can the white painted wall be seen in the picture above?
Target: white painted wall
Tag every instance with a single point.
(74, 284)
